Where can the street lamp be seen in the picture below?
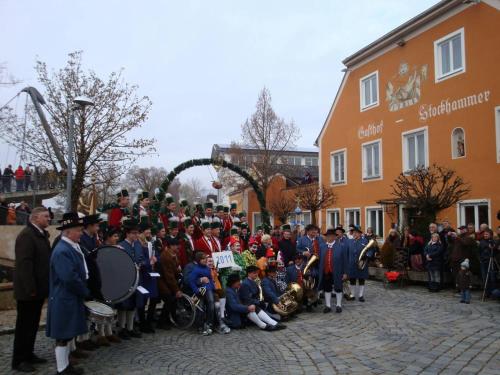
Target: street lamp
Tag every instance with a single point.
(79, 103)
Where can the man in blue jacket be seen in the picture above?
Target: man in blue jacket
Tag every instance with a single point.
(202, 284)
(68, 289)
(250, 294)
(333, 270)
(355, 245)
(271, 292)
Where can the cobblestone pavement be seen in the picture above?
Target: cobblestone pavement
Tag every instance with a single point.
(396, 331)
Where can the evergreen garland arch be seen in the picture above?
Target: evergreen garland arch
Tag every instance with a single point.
(160, 196)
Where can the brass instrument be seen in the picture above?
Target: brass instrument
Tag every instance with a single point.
(261, 293)
(309, 281)
(196, 300)
(363, 259)
(289, 301)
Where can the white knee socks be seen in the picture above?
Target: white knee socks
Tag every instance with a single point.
(338, 296)
(356, 291)
(100, 329)
(266, 318)
(62, 360)
(130, 320)
(108, 329)
(222, 307)
(361, 290)
(122, 318)
(255, 319)
(328, 299)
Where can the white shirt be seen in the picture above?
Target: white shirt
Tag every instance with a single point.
(75, 246)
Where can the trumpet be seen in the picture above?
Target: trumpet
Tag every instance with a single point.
(261, 293)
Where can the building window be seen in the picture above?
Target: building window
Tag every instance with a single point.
(497, 128)
(457, 143)
(475, 212)
(369, 91)
(333, 218)
(372, 160)
(375, 220)
(352, 216)
(311, 162)
(449, 55)
(415, 149)
(338, 172)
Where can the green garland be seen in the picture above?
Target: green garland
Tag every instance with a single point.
(160, 196)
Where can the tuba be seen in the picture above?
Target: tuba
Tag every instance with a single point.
(309, 281)
(363, 258)
(289, 301)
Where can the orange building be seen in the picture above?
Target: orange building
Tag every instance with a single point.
(427, 92)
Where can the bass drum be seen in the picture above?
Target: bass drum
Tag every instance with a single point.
(119, 274)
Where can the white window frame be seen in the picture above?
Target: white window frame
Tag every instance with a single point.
(367, 221)
(453, 156)
(380, 176)
(346, 211)
(362, 105)
(301, 214)
(439, 76)
(424, 129)
(332, 166)
(311, 160)
(329, 211)
(472, 202)
(497, 131)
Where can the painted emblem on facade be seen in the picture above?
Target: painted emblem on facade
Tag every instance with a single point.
(404, 88)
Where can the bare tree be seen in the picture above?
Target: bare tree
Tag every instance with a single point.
(313, 197)
(101, 138)
(193, 190)
(282, 206)
(430, 189)
(146, 179)
(268, 137)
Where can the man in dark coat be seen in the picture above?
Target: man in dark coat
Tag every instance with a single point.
(355, 245)
(68, 289)
(31, 287)
(333, 264)
(287, 246)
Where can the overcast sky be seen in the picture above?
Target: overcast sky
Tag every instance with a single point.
(203, 62)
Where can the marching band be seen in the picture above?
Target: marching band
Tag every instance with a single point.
(176, 277)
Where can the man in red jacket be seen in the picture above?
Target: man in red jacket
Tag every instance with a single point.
(205, 243)
(119, 210)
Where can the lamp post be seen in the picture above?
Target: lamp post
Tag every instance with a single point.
(79, 103)
(298, 213)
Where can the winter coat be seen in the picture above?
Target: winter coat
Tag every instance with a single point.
(169, 271)
(68, 289)
(32, 265)
(354, 250)
(270, 290)
(249, 292)
(435, 252)
(464, 279)
(288, 250)
(196, 274)
(340, 262)
(235, 310)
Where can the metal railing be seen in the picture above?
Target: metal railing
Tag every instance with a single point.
(44, 181)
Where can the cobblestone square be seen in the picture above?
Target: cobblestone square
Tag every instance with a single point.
(396, 331)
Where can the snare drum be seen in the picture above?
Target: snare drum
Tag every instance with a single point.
(99, 313)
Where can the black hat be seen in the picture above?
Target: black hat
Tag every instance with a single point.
(286, 228)
(251, 269)
(173, 222)
(357, 228)
(234, 206)
(187, 221)
(215, 224)
(130, 224)
(91, 219)
(142, 195)
(144, 225)
(70, 220)
(271, 269)
(209, 205)
(122, 193)
(341, 228)
(205, 225)
(172, 241)
(219, 207)
(233, 278)
(156, 228)
(226, 209)
(330, 232)
(184, 203)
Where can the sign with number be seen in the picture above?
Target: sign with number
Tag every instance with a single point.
(223, 259)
